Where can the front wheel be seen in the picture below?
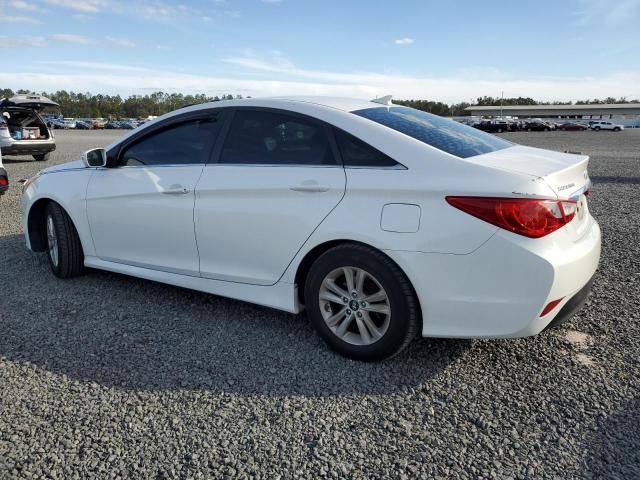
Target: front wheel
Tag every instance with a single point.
(597, 129)
(361, 303)
(616, 129)
(64, 249)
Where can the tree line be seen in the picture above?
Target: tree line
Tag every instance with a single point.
(87, 105)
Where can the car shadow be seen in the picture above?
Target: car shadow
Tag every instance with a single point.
(613, 449)
(124, 332)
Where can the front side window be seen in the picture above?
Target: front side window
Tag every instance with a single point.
(184, 143)
(446, 135)
(270, 138)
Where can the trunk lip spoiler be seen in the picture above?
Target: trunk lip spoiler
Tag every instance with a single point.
(575, 196)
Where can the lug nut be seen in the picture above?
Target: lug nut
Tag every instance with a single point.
(359, 314)
(354, 294)
(345, 299)
(348, 312)
(363, 304)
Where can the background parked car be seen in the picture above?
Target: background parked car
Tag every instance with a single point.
(82, 125)
(536, 126)
(572, 126)
(605, 125)
(497, 126)
(23, 131)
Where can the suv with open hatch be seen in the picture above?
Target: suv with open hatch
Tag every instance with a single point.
(22, 130)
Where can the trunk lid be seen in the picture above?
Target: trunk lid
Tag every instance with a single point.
(565, 173)
(35, 102)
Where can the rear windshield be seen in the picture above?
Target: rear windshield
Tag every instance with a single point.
(447, 135)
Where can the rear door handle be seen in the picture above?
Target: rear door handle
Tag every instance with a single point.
(175, 190)
(310, 186)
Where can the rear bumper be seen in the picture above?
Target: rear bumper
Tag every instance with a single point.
(500, 289)
(572, 306)
(28, 149)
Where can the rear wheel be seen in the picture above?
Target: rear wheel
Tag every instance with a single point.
(616, 129)
(42, 157)
(597, 129)
(361, 303)
(63, 244)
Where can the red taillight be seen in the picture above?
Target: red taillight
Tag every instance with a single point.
(3, 181)
(530, 217)
(550, 306)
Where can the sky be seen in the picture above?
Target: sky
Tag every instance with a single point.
(450, 51)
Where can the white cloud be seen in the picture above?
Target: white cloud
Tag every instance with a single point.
(42, 41)
(404, 41)
(17, 19)
(21, 5)
(94, 66)
(15, 41)
(71, 38)
(125, 80)
(610, 12)
(88, 6)
(120, 42)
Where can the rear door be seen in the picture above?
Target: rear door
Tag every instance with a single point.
(275, 178)
(141, 210)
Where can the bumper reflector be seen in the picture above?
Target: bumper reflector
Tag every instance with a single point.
(550, 306)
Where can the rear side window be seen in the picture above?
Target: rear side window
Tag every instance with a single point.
(184, 143)
(259, 137)
(356, 153)
(446, 135)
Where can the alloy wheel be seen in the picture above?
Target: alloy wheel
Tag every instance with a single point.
(354, 305)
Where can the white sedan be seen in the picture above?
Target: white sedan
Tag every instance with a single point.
(383, 222)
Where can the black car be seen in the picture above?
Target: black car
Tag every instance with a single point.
(537, 127)
(493, 126)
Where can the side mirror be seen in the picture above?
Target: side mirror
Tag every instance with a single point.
(96, 157)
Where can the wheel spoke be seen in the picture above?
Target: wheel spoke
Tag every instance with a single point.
(375, 332)
(360, 277)
(379, 296)
(344, 325)
(334, 319)
(364, 333)
(330, 297)
(378, 308)
(331, 285)
(348, 275)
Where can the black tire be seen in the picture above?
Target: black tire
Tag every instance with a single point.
(70, 257)
(616, 129)
(528, 129)
(42, 157)
(597, 129)
(404, 320)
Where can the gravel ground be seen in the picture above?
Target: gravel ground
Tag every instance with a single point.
(106, 376)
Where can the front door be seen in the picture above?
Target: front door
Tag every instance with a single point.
(141, 210)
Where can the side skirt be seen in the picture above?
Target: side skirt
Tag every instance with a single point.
(281, 296)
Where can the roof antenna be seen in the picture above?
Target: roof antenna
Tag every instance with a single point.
(386, 100)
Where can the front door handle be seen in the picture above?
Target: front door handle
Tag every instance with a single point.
(175, 190)
(310, 186)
